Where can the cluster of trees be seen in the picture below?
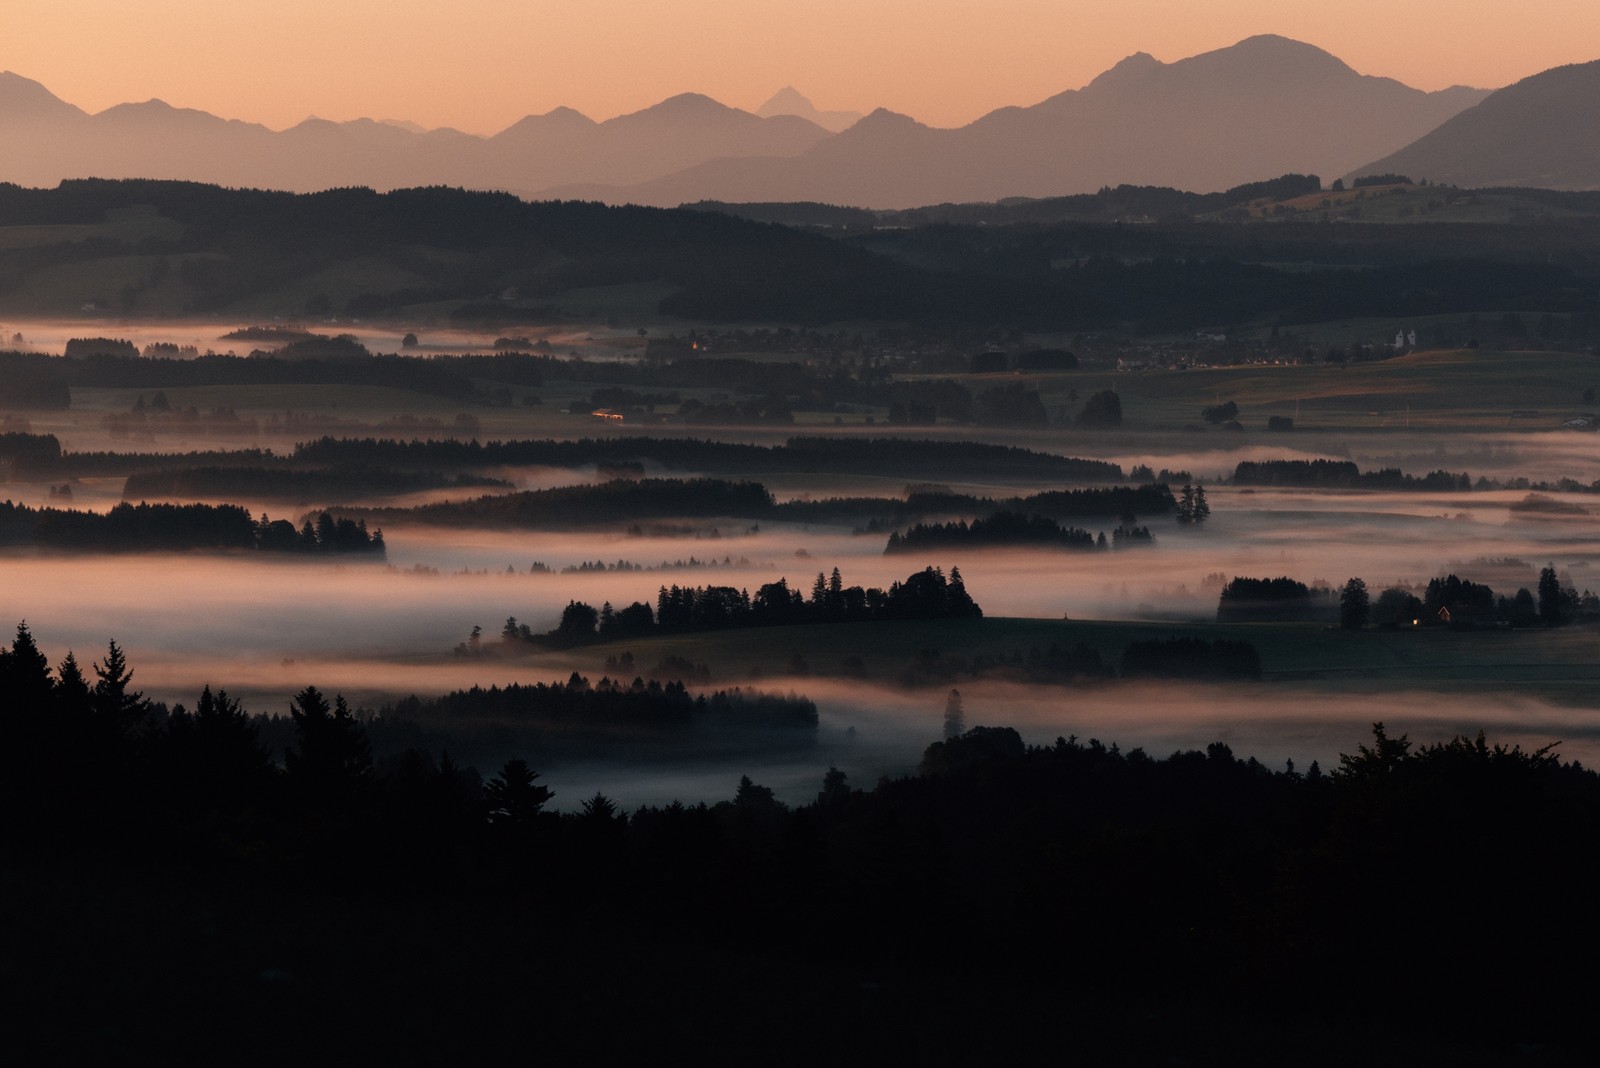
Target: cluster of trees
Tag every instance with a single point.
(24, 455)
(326, 534)
(1193, 508)
(1001, 528)
(1103, 409)
(633, 499)
(1343, 474)
(926, 594)
(1126, 502)
(893, 457)
(1454, 601)
(146, 527)
(605, 707)
(192, 830)
(1274, 600)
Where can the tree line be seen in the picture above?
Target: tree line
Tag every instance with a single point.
(1445, 600)
(424, 892)
(896, 457)
(1001, 528)
(926, 594)
(1448, 600)
(146, 527)
(1343, 474)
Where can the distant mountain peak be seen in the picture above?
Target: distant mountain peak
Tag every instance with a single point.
(883, 117)
(566, 114)
(784, 101)
(790, 101)
(1274, 52)
(1130, 69)
(687, 103)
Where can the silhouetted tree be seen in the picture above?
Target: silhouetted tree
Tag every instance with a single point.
(71, 686)
(513, 798)
(1102, 409)
(1396, 607)
(1355, 605)
(1550, 602)
(25, 674)
(601, 809)
(331, 759)
(116, 707)
(835, 790)
(213, 757)
(578, 624)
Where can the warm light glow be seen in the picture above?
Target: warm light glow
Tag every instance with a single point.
(480, 65)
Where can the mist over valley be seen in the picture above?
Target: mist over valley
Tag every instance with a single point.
(1115, 580)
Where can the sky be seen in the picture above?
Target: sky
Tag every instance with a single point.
(479, 65)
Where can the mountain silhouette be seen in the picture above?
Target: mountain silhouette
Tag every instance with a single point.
(789, 101)
(49, 140)
(1265, 106)
(1539, 132)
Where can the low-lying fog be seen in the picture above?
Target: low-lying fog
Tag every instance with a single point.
(871, 731)
(265, 628)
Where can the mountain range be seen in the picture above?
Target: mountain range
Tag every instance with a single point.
(1262, 107)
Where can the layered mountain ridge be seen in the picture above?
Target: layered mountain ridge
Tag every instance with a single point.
(1264, 106)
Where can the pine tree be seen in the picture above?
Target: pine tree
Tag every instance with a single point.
(26, 674)
(72, 688)
(959, 603)
(1202, 510)
(513, 798)
(331, 758)
(115, 705)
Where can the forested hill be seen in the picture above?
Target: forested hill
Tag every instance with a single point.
(199, 248)
(489, 260)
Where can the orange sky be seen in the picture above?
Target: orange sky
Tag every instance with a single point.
(480, 65)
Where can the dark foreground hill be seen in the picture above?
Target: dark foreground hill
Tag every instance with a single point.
(492, 262)
(178, 889)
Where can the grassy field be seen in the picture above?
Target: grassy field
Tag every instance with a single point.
(1412, 204)
(1460, 389)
